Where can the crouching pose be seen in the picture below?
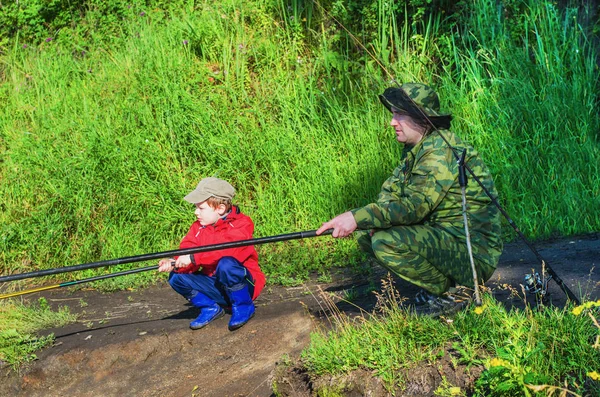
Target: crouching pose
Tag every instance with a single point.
(415, 227)
(217, 279)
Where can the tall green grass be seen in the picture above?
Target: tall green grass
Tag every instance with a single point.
(530, 105)
(99, 145)
(523, 91)
(99, 149)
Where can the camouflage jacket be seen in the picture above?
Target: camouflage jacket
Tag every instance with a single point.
(424, 189)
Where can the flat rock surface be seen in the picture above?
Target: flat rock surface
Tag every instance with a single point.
(137, 343)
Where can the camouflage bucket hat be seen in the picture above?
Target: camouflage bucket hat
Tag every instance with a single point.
(410, 94)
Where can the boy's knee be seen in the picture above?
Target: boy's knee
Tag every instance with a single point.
(175, 279)
(229, 271)
(181, 284)
(226, 264)
(229, 267)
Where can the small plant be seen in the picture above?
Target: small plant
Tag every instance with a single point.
(446, 389)
(19, 324)
(286, 359)
(350, 294)
(324, 278)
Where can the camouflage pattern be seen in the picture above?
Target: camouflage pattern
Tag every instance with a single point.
(420, 94)
(417, 222)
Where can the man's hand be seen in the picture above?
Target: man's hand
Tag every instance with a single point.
(343, 225)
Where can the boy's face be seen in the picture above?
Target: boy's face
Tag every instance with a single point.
(208, 215)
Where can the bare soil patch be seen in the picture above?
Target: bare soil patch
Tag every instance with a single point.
(138, 343)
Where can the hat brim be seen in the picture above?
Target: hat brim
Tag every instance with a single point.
(386, 103)
(403, 103)
(196, 197)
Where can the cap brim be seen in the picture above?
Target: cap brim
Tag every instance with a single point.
(196, 197)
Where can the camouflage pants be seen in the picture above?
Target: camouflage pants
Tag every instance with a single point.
(425, 256)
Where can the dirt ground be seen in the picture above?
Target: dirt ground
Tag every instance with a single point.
(137, 343)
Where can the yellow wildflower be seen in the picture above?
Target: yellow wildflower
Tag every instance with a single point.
(479, 309)
(577, 310)
(594, 375)
(498, 362)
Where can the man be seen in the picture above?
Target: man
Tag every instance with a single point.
(415, 226)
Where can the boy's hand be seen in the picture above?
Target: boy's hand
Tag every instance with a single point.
(165, 265)
(183, 261)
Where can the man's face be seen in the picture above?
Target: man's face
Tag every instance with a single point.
(407, 131)
(208, 215)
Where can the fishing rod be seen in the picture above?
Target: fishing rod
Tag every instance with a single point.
(531, 281)
(164, 254)
(82, 281)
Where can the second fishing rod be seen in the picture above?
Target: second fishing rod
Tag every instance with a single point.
(164, 254)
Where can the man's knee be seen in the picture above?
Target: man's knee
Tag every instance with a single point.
(394, 254)
(384, 244)
(365, 244)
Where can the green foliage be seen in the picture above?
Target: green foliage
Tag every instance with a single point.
(106, 127)
(525, 353)
(81, 22)
(526, 104)
(110, 142)
(18, 325)
(519, 350)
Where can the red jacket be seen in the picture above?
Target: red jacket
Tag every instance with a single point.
(234, 227)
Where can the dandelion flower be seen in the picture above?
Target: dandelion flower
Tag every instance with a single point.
(594, 375)
(498, 362)
(587, 305)
(577, 311)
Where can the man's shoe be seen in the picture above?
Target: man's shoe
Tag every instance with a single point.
(437, 305)
(209, 311)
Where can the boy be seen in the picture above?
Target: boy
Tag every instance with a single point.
(211, 280)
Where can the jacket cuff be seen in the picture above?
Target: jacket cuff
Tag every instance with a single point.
(191, 268)
(362, 217)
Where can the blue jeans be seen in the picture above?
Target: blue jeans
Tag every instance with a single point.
(230, 274)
